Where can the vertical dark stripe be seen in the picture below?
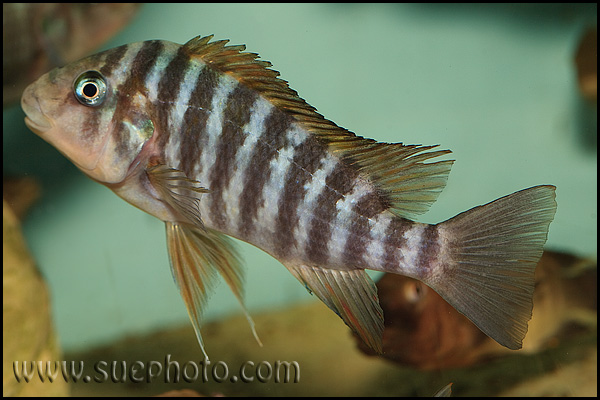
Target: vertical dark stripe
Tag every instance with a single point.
(168, 89)
(120, 95)
(306, 161)
(259, 171)
(394, 240)
(236, 114)
(140, 67)
(113, 59)
(359, 231)
(170, 81)
(193, 139)
(113, 56)
(337, 184)
(429, 250)
(135, 81)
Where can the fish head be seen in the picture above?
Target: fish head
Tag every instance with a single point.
(81, 110)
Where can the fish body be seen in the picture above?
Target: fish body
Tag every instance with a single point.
(207, 138)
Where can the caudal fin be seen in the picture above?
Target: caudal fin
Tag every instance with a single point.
(489, 259)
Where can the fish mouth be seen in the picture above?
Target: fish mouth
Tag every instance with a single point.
(39, 126)
(34, 117)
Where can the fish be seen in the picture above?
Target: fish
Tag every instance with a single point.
(207, 138)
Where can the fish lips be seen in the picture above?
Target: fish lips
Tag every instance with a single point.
(34, 117)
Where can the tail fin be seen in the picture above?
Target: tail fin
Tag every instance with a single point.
(491, 252)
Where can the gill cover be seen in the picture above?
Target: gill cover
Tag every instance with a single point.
(128, 130)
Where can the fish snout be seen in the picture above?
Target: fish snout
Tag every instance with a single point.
(34, 116)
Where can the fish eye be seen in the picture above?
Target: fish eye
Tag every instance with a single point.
(414, 291)
(90, 88)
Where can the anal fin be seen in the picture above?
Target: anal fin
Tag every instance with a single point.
(196, 255)
(351, 294)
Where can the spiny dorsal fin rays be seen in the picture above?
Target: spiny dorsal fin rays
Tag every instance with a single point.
(392, 168)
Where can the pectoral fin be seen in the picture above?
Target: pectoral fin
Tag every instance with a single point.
(178, 191)
(352, 295)
(196, 255)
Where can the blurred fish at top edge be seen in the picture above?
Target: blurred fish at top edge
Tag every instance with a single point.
(422, 330)
(37, 37)
(586, 67)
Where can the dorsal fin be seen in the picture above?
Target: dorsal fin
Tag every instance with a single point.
(398, 172)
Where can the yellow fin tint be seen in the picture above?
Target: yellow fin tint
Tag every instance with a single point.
(194, 280)
(352, 295)
(195, 256)
(196, 252)
(407, 184)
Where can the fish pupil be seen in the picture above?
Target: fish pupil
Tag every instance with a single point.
(90, 88)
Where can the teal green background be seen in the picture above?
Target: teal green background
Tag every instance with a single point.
(495, 84)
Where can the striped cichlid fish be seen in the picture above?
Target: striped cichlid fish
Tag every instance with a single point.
(207, 138)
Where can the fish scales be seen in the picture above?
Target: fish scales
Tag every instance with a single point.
(294, 190)
(180, 119)
(233, 192)
(271, 194)
(227, 113)
(271, 141)
(189, 140)
(206, 138)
